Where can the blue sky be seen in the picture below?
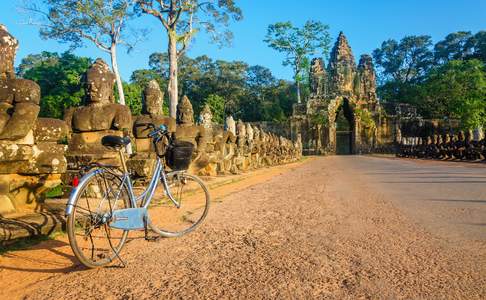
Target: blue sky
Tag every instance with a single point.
(366, 24)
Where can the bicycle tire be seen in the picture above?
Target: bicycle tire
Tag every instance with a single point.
(161, 215)
(91, 189)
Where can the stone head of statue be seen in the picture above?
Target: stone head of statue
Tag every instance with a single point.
(206, 116)
(256, 133)
(250, 134)
(241, 128)
(8, 49)
(230, 125)
(99, 83)
(185, 113)
(429, 140)
(153, 99)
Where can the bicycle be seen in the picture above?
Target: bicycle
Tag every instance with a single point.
(103, 207)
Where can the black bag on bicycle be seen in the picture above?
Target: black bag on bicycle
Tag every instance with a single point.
(178, 155)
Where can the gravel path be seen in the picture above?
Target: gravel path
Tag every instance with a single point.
(318, 231)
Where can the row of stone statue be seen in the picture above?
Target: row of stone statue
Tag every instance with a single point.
(36, 153)
(450, 146)
(236, 148)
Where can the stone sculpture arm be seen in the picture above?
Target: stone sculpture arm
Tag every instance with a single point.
(123, 118)
(21, 121)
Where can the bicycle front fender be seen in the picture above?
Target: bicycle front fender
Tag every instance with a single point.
(75, 192)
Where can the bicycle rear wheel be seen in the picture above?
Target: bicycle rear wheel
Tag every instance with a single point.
(192, 196)
(93, 241)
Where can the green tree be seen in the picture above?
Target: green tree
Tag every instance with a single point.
(458, 90)
(216, 103)
(59, 77)
(181, 20)
(101, 22)
(133, 97)
(478, 42)
(298, 44)
(406, 61)
(456, 46)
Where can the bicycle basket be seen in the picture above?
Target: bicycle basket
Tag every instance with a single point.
(178, 155)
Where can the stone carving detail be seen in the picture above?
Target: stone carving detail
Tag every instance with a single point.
(31, 158)
(367, 80)
(342, 68)
(460, 146)
(318, 78)
(152, 113)
(188, 131)
(99, 116)
(340, 86)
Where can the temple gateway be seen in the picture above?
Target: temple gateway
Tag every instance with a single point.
(342, 114)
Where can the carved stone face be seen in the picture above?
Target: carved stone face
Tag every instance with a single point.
(185, 113)
(99, 83)
(241, 129)
(206, 117)
(231, 125)
(153, 99)
(8, 49)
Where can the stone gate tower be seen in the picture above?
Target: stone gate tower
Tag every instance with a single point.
(342, 113)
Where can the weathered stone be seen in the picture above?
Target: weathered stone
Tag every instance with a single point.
(188, 131)
(342, 67)
(100, 113)
(50, 130)
(152, 112)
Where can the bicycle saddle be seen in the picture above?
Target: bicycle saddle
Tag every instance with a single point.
(115, 141)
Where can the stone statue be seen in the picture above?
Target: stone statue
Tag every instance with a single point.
(19, 98)
(100, 116)
(188, 131)
(230, 125)
(318, 78)
(31, 156)
(206, 117)
(152, 112)
(100, 112)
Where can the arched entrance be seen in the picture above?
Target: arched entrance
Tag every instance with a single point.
(344, 125)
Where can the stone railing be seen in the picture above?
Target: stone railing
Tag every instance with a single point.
(459, 146)
(37, 154)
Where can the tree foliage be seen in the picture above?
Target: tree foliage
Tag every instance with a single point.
(182, 20)
(442, 80)
(298, 44)
(59, 77)
(250, 93)
(101, 22)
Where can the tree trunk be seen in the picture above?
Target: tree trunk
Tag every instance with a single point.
(173, 86)
(114, 66)
(298, 90)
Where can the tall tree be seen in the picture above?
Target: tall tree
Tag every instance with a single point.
(455, 46)
(406, 61)
(298, 44)
(101, 22)
(181, 20)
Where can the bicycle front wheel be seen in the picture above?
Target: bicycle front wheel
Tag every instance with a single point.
(93, 241)
(174, 219)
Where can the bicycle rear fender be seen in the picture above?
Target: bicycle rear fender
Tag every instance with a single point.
(76, 190)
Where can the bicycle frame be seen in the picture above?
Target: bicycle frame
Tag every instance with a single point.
(145, 198)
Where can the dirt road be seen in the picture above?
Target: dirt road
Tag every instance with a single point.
(331, 227)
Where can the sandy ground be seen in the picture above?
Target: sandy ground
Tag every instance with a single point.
(327, 228)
